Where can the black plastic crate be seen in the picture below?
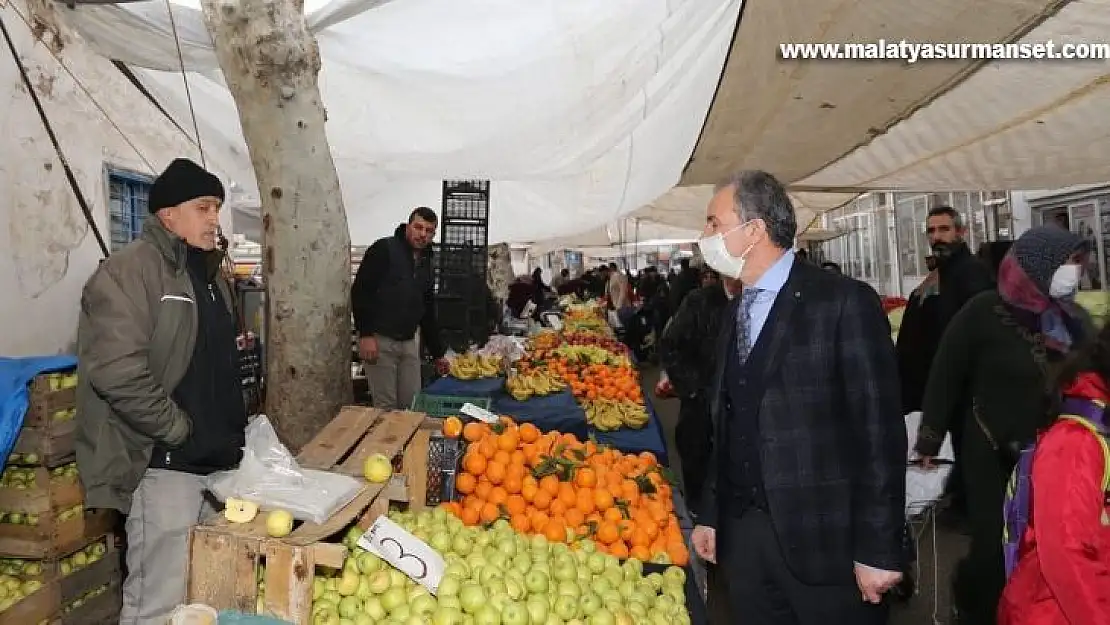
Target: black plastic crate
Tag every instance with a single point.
(251, 367)
(470, 287)
(466, 200)
(464, 234)
(461, 259)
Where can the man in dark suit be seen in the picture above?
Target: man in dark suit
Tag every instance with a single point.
(804, 501)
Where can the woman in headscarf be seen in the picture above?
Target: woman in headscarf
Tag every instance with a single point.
(1062, 575)
(1001, 351)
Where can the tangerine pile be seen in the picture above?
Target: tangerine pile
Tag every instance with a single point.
(595, 381)
(568, 490)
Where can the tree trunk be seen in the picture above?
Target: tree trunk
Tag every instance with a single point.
(270, 62)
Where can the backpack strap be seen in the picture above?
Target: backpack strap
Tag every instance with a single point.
(1091, 415)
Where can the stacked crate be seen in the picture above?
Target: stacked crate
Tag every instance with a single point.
(461, 262)
(58, 562)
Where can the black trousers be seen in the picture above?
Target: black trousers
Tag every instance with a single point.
(763, 590)
(692, 437)
(981, 576)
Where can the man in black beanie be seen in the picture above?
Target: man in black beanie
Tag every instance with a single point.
(160, 404)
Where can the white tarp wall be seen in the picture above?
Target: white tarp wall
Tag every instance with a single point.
(579, 111)
(48, 249)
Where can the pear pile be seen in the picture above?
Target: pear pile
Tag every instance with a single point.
(21, 478)
(13, 589)
(496, 576)
(84, 558)
(26, 518)
(473, 366)
(524, 386)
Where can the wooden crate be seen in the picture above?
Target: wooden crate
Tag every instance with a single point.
(52, 443)
(48, 603)
(224, 557)
(52, 536)
(44, 434)
(51, 566)
(46, 402)
(101, 610)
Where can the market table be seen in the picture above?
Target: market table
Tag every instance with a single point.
(559, 412)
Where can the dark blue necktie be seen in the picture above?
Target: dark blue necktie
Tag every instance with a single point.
(744, 323)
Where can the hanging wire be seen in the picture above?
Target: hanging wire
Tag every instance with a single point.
(81, 201)
(185, 81)
(81, 85)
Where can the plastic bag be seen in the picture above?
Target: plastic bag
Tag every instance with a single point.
(509, 348)
(271, 478)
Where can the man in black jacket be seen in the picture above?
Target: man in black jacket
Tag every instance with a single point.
(391, 297)
(687, 352)
(804, 504)
(957, 277)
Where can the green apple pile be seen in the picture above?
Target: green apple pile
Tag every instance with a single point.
(64, 414)
(24, 459)
(86, 557)
(26, 518)
(62, 381)
(85, 598)
(12, 589)
(21, 478)
(497, 576)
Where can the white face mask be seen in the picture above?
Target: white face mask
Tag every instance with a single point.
(1065, 282)
(717, 256)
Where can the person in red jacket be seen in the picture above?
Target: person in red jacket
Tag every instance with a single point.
(1062, 575)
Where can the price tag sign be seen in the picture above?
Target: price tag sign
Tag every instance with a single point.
(405, 552)
(480, 414)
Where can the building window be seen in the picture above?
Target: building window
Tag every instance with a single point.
(127, 205)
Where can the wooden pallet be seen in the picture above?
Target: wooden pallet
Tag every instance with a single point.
(46, 604)
(224, 557)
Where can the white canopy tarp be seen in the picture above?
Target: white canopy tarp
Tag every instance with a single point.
(579, 112)
(624, 233)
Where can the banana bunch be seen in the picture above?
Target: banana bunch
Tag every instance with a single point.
(588, 354)
(525, 386)
(607, 415)
(474, 366)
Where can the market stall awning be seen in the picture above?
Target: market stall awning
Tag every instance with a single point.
(579, 112)
(930, 125)
(584, 113)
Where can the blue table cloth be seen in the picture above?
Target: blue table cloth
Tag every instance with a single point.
(648, 438)
(15, 375)
(559, 412)
(484, 387)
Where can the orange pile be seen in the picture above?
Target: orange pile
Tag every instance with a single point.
(606, 382)
(555, 485)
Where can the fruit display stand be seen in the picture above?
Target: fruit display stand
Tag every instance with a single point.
(58, 562)
(224, 558)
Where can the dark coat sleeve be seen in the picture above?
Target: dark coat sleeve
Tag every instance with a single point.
(374, 265)
(680, 341)
(710, 502)
(910, 351)
(874, 410)
(949, 376)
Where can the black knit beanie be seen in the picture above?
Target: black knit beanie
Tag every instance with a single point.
(182, 181)
(1040, 251)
